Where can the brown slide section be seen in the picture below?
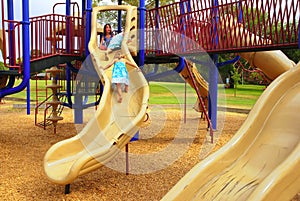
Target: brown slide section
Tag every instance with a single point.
(201, 83)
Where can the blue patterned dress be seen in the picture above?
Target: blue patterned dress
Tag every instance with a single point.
(120, 73)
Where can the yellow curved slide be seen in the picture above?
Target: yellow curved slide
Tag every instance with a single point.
(272, 63)
(262, 160)
(113, 125)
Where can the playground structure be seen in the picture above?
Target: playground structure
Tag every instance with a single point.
(215, 28)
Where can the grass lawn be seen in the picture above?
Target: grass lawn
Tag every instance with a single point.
(246, 96)
(174, 93)
(171, 93)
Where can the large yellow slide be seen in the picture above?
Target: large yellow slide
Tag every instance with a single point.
(113, 125)
(272, 63)
(262, 160)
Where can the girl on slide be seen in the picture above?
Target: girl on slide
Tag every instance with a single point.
(120, 74)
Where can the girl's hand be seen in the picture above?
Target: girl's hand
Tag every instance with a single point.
(102, 47)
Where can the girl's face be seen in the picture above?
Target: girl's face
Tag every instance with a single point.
(107, 29)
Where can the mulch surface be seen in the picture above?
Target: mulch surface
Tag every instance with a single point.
(168, 148)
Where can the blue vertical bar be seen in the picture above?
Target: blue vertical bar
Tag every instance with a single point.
(189, 6)
(213, 91)
(156, 3)
(68, 7)
(10, 16)
(26, 49)
(88, 25)
(119, 17)
(83, 6)
(28, 97)
(68, 13)
(78, 108)
(213, 71)
(68, 72)
(142, 10)
(141, 63)
(157, 32)
(240, 12)
(68, 87)
(182, 24)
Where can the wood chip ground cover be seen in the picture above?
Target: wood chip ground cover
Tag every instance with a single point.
(23, 146)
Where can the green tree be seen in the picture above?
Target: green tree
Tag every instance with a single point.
(236, 79)
(293, 54)
(256, 76)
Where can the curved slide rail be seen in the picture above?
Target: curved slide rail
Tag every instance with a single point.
(262, 160)
(113, 125)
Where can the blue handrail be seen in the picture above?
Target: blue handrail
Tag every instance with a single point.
(142, 10)
(26, 56)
